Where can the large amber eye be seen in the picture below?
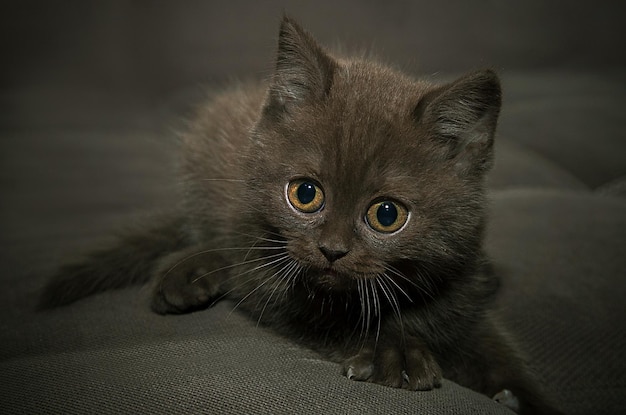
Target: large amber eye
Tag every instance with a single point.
(305, 195)
(386, 216)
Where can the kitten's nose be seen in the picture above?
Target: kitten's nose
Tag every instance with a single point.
(332, 254)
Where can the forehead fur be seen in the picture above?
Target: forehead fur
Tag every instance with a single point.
(363, 135)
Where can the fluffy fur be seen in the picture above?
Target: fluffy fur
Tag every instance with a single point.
(401, 306)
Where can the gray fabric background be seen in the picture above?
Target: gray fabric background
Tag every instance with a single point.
(90, 94)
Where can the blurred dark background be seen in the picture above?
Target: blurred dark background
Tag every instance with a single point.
(86, 53)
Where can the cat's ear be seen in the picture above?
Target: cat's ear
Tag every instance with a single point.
(303, 73)
(463, 116)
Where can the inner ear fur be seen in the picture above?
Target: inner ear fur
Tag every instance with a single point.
(463, 116)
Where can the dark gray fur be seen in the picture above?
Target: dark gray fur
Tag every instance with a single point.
(402, 309)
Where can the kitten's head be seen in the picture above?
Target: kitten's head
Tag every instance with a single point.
(364, 171)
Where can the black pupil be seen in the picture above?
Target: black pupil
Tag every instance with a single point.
(306, 193)
(387, 214)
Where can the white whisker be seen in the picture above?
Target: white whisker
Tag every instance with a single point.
(362, 302)
(209, 251)
(392, 299)
(399, 274)
(291, 279)
(237, 265)
(408, 297)
(389, 294)
(258, 287)
(366, 308)
(222, 180)
(424, 289)
(377, 309)
(278, 241)
(283, 257)
(286, 272)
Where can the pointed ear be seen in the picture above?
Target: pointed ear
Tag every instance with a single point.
(463, 116)
(303, 72)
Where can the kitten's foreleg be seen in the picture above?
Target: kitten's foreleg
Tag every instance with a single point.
(404, 364)
(187, 281)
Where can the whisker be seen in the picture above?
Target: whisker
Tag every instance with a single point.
(399, 274)
(282, 258)
(389, 294)
(424, 288)
(209, 251)
(237, 265)
(254, 247)
(393, 300)
(204, 252)
(279, 241)
(291, 280)
(242, 283)
(367, 306)
(398, 286)
(222, 180)
(278, 234)
(360, 290)
(258, 287)
(429, 282)
(286, 272)
(245, 257)
(377, 309)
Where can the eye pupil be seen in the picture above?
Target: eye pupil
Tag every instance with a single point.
(387, 214)
(306, 193)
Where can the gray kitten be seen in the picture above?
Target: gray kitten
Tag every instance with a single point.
(343, 205)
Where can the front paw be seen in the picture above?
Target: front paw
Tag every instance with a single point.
(412, 367)
(184, 284)
(508, 399)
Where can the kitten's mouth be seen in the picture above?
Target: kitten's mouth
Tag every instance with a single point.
(334, 280)
(329, 272)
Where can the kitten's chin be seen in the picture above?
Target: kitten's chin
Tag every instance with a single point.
(333, 280)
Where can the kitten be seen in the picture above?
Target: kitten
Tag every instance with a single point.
(343, 205)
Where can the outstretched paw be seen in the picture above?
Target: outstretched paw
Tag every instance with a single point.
(412, 368)
(508, 399)
(184, 284)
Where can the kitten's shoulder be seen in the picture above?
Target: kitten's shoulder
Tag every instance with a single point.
(227, 113)
(238, 98)
(211, 148)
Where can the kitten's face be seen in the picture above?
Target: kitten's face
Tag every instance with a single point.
(357, 186)
(365, 172)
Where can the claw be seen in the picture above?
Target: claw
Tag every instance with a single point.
(350, 373)
(405, 376)
(506, 398)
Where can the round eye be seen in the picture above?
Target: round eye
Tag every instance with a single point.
(386, 216)
(305, 196)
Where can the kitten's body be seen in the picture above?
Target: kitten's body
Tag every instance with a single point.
(401, 304)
